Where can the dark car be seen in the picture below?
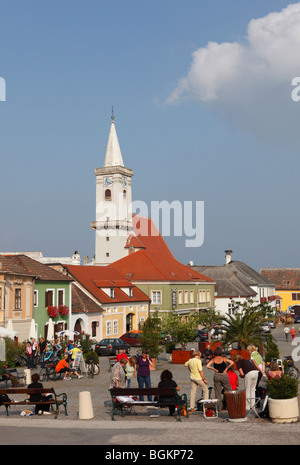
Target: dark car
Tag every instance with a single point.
(111, 346)
(297, 319)
(201, 335)
(133, 339)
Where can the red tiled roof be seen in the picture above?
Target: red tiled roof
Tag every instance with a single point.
(82, 303)
(147, 265)
(88, 276)
(146, 236)
(284, 278)
(22, 263)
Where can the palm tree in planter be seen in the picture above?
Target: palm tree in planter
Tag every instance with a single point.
(244, 326)
(283, 400)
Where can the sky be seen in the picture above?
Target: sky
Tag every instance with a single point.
(205, 111)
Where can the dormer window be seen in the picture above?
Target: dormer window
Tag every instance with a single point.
(112, 293)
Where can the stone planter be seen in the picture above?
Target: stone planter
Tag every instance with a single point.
(179, 357)
(203, 345)
(283, 410)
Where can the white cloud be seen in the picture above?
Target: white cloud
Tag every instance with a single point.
(250, 81)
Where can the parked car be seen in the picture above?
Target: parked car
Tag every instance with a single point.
(266, 328)
(201, 335)
(164, 337)
(272, 324)
(297, 319)
(111, 346)
(132, 338)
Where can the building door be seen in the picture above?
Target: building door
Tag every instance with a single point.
(296, 309)
(129, 322)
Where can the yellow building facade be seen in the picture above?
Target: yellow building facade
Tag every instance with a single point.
(287, 287)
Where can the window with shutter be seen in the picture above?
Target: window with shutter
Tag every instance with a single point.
(49, 301)
(61, 297)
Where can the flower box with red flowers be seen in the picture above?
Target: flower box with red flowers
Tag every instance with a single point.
(52, 311)
(63, 310)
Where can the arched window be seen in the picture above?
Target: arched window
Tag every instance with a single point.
(124, 194)
(108, 194)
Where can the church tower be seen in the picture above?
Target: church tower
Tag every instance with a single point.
(113, 204)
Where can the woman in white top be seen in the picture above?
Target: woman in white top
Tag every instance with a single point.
(130, 370)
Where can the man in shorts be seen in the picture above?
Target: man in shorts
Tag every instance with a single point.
(64, 367)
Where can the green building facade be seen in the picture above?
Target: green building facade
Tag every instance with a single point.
(181, 297)
(52, 298)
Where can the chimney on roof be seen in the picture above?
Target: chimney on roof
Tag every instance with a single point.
(228, 256)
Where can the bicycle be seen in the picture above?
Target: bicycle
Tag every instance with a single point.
(289, 367)
(92, 368)
(21, 360)
(49, 372)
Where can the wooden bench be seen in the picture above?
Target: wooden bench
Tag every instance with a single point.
(111, 362)
(13, 371)
(56, 401)
(157, 392)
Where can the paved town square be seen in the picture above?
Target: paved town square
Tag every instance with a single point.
(146, 427)
(149, 198)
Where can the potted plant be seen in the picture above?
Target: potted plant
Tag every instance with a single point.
(283, 400)
(244, 326)
(182, 333)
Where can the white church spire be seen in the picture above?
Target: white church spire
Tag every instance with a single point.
(113, 155)
(113, 204)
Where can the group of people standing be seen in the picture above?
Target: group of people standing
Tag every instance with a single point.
(128, 368)
(33, 349)
(226, 374)
(225, 378)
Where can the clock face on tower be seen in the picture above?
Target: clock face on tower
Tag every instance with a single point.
(108, 181)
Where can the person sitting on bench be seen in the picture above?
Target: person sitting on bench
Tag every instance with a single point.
(166, 380)
(6, 374)
(39, 409)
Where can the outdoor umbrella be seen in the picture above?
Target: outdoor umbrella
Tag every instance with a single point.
(50, 333)
(32, 331)
(69, 333)
(5, 332)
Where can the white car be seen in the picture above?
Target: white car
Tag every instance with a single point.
(266, 328)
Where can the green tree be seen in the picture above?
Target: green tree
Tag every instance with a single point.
(151, 335)
(85, 343)
(182, 332)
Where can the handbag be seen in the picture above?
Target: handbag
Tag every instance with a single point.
(4, 398)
